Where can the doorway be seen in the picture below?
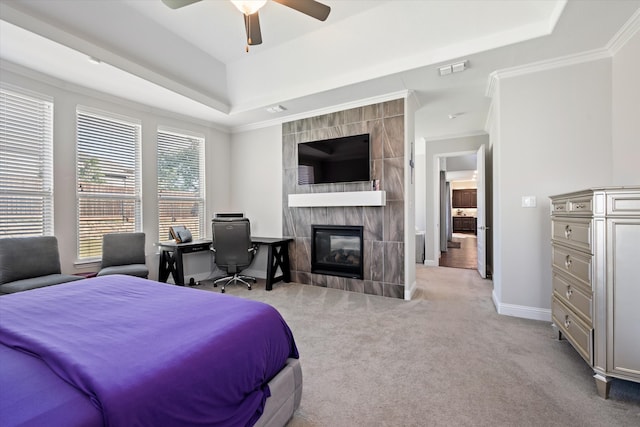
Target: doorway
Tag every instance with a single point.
(472, 216)
(459, 248)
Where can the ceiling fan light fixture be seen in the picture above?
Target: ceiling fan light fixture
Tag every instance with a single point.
(248, 7)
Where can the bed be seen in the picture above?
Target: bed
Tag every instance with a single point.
(124, 351)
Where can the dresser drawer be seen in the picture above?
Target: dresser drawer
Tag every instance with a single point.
(576, 331)
(577, 205)
(574, 296)
(573, 263)
(559, 207)
(573, 232)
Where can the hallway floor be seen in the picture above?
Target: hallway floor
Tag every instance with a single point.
(466, 256)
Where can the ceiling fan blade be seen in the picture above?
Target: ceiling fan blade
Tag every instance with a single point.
(252, 25)
(177, 4)
(309, 7)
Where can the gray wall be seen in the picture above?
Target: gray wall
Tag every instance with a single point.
(383, 226)
(626, 113)
(552, 135)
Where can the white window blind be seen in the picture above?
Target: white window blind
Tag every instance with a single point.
(108, 179)
(180, 182)
(26, 164)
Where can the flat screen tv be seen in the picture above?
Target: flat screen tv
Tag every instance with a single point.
(344, 159)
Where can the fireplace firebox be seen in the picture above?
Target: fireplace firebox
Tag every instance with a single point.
(337, 250)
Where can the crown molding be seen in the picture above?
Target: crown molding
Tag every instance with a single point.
(490, 118)
(28, 73)
(628, 30)
(327, 110)
(546, 65)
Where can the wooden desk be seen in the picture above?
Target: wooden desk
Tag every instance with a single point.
(171, 258)
(277, 256)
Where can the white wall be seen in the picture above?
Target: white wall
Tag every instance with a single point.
(626, 113)
(553, 135)
(66, 99)
(410, 107)
(420, 171)
(255, 179)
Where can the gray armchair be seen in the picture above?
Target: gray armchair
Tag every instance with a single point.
(29, 263)
(233, 249)
(123, 253)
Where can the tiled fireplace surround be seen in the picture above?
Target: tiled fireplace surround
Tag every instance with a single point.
(383, 225)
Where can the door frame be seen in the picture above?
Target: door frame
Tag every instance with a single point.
(437, 161)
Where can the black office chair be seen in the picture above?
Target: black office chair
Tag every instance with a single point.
(233, 249)
(123, 253)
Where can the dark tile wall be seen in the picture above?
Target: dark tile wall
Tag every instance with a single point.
(383, 225)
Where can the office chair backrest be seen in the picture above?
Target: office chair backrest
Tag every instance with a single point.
(232, 242)
(123, 249)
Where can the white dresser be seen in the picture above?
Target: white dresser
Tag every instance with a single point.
(595, 251)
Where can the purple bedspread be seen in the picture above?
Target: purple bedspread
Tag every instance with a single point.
(152, 354)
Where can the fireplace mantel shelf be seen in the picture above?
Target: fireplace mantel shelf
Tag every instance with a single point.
(345, 198)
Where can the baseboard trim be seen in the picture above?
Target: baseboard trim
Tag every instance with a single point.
(431, 263)
(522, 311)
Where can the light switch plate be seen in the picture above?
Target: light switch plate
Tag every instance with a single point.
(528, 201)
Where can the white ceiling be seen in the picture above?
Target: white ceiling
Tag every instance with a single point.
(192, 60)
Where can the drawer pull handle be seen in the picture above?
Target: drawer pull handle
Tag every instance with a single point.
(567, 231)
(567, 322)
(567, 262)
(569, 292)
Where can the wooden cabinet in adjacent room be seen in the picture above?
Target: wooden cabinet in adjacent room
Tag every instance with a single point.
(595, 242)
(465, 198)
(464, 224)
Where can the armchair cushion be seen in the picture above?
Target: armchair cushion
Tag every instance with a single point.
(37, 282)
(29, 263)
(26, 257)
(139, 270)
(123, 249)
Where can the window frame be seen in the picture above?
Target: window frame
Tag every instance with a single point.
(200, 198)
(41, 131)
(135, 196)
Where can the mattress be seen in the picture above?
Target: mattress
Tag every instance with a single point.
(118, 350)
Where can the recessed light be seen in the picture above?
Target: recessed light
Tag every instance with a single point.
(276, 109)
(94, 60)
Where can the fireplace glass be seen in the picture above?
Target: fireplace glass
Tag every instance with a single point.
(337, 250)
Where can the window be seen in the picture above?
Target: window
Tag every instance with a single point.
(180, 182)
(26, 164)
(108, 179)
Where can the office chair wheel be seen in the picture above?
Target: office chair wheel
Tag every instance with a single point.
(249, 287)
(215, 285)
(222, 291)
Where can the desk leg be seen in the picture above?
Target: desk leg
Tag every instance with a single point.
(164, 267)
(178, 277)
(271, 269)
(284, 262)
(278, 256)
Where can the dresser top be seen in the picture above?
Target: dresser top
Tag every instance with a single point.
(612, 189)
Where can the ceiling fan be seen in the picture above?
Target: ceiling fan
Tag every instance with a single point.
(250, 9)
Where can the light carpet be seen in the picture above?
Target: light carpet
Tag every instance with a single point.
(446, 358)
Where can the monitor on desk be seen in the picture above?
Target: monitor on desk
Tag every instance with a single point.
(229, 215)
